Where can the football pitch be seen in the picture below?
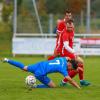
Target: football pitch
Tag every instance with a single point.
(12, 83)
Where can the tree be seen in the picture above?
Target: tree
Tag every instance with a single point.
(1, 0)
(41, 7)
(60, 6)
(7, 2)
(95, 7)
(76, 6)
(7, 10)
(55, 7)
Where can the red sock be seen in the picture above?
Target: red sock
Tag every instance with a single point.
(81, 73)
(71, 73)
(51, 58)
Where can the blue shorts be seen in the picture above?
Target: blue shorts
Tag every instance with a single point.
(44, 79)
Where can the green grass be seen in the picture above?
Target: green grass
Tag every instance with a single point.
(12, 86)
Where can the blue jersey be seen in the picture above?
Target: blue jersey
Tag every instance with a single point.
(51, 66)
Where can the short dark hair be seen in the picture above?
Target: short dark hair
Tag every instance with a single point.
(67, 11)
(74, 63)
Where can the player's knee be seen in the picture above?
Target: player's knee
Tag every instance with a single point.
(80, 60)
(51, 84)
(25, 68)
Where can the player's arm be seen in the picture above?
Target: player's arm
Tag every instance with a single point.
(72, 82)
(65, 38)
(60, 27)
(67, 47)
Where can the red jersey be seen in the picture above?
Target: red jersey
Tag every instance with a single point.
(65, 36)
(60, 28)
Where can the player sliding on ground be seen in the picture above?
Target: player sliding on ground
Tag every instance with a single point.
(42, 69)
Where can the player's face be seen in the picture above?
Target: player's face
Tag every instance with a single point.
(68, 16)
(70, 26)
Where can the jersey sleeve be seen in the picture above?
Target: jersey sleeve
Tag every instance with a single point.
(60, 27)
(64, 72)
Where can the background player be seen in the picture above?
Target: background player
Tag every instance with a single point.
(41, 69)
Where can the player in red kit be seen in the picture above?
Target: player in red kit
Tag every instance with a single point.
(67, 39)
(60, 28)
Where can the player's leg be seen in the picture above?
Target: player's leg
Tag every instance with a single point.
(15, 63)
(47, 82)
(81, 72)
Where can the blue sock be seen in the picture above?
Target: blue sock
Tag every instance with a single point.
(42, 86)
(15, 63)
